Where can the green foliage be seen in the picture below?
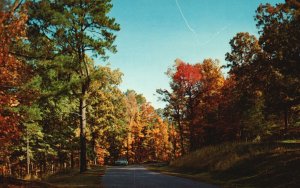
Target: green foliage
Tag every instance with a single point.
(279, 28)
(265, 70)
(65, 31)
(60, 109)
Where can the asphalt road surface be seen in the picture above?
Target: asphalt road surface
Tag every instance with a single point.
(139, 177)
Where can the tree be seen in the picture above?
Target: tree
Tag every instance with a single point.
(106, 115)
(147, 134)
(187, 83)
(207, 110)
(175, 112)
(157, 145)
(186, 88)
(13, 74)
(279, 29)
(71, 29)
(132, 111)
(247, 77)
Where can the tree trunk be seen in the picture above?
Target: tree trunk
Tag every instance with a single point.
(181, 136)
(9, 167)
(27, 152)
(45, 164)
(174, 147)
(72, 159)
(286, 119)
(192, 139)
(192, 132)
(191, 124)
(127, 152)
(83, 165)
(95, 154)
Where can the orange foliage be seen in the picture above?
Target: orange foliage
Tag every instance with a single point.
(100, 152)
(147, 136)
(13, 73)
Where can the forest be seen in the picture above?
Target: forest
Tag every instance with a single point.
(61, 107)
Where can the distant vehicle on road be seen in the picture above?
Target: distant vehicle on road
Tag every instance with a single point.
(121, 162)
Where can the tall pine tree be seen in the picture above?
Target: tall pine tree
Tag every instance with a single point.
(71, 29)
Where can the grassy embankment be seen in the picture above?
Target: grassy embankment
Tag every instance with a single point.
(241, 165)
(72, 178)
(69, 178)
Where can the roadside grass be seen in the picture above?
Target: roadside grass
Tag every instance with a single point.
(290, 141)
(240, 165)
(73, 178)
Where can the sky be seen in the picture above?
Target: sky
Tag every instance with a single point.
(156, 32)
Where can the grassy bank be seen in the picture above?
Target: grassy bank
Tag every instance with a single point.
(241, 165)
(69, 178)
(72, 178)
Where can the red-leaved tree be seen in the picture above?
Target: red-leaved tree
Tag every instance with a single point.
(13, 73)
(186, 84)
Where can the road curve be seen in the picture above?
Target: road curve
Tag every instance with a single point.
(136, 176)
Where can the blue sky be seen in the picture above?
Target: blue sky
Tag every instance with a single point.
(156, 32)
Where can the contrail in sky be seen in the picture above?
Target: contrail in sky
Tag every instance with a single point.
(193, 30)
(215, 35)
(186, 22)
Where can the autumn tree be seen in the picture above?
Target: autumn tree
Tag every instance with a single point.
(136, 129)
(186, 88)
(187, 79)
(156, 135)
(265, 70)
(147, 134)
(279, 38)
(132, 113)
(247, 77)
(14, 73)
(106, 115)
(207, 110)
(175, 113)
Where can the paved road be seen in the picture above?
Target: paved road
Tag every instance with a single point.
(138, 177)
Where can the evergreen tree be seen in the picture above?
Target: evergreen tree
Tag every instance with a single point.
(70, 29)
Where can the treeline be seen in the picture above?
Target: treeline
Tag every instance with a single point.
(257, 100)
(58, 108)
